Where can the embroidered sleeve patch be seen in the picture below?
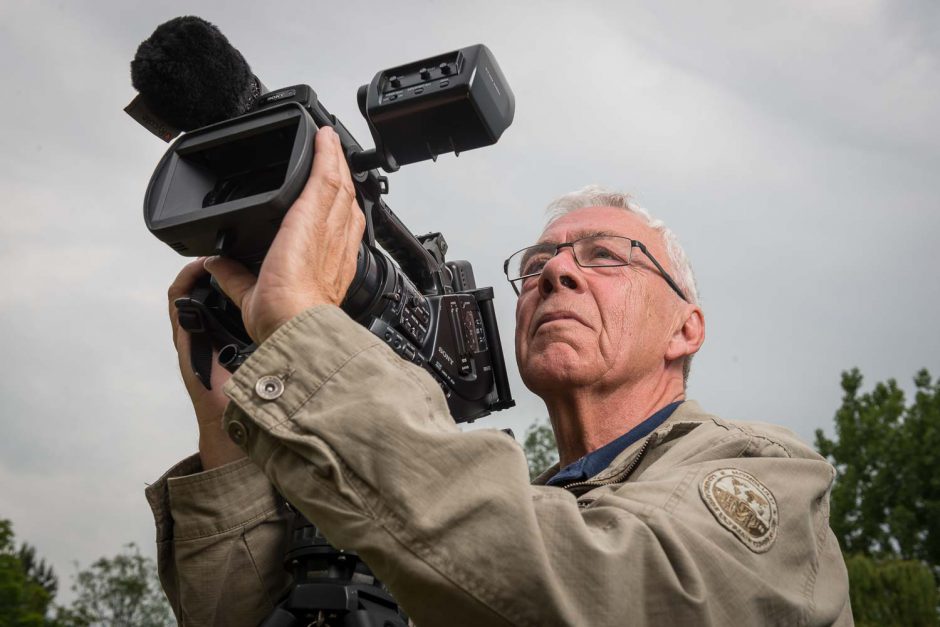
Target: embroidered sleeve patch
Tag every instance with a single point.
(743, 505)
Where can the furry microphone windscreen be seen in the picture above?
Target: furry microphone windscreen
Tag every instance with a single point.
(190, 75)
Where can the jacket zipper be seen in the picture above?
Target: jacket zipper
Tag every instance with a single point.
(619, 477)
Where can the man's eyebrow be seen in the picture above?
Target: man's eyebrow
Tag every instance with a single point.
(580, 234)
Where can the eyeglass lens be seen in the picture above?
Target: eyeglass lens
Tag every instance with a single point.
(595, 251)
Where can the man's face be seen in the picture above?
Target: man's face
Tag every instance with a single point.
(597, 327)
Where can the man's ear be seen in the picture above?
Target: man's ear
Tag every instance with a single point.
(689, 336)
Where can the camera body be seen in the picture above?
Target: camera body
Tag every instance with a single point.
(224, 188)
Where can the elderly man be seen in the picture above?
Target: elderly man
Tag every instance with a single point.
(661, 513)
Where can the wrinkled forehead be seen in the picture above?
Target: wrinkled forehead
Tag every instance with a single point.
(602, 221)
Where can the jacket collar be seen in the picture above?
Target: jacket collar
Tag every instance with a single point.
(686, 417)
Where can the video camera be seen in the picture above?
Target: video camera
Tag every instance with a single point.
(223, 187)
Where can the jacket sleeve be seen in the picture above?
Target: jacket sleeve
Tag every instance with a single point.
(220, 542)
(363, 444)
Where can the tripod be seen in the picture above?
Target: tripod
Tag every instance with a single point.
(331, 588)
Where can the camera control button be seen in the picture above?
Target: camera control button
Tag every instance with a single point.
(237, 432)
(269, 388)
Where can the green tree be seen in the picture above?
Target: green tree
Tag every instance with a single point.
(122, 591)
(23, 601)
(37, 570)
(892, 593)
(540, 448)
(886, 499)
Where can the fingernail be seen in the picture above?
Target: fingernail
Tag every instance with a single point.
(208, 262)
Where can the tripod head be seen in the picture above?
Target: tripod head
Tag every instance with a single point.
(331, 587)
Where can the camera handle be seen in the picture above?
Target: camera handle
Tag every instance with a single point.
(202, 315)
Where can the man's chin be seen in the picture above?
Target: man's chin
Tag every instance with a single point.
(548, 372)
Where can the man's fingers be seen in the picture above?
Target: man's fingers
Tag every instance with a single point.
(343, 164)
(326, 175)
(185, 280)
(343, 201)
(319, 212)
(349, 195)
(234, 278)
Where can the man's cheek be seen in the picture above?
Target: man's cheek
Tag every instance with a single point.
(523, 317)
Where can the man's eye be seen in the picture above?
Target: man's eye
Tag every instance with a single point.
(534, 264)
(601, 253)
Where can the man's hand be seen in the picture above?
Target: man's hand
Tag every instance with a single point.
(312, 260)
(215, 447)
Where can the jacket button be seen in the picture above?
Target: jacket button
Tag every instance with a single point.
(237, 432)
(269, 387)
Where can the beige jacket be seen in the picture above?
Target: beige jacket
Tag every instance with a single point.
(705, 522)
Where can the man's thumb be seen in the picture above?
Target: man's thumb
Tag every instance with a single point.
(234, 278)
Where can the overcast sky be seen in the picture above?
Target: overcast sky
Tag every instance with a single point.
(793, 146)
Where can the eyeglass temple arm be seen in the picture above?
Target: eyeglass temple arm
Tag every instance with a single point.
(515, 288)
(662, 270)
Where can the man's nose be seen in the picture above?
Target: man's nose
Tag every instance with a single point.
(561, 271)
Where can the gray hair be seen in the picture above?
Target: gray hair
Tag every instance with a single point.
(597, 196)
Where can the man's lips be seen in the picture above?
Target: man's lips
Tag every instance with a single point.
(558, 315)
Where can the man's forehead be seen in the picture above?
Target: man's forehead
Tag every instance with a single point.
(592, 221)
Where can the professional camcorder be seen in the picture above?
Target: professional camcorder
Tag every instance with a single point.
(223, 187)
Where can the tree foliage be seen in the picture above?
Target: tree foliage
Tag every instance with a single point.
(122, 591)
(892, 593)
(540, 448)
(37, 570)
(886, 499)
(23, 601)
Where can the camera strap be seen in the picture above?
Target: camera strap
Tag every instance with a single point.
(196, 320)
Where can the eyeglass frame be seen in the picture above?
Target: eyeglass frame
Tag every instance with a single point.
(633, 244)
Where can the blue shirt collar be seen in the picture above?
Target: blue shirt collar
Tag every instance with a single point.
(596, 461)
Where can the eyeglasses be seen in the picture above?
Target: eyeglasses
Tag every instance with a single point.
(595, 251)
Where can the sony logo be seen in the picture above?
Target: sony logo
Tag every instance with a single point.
(281, 95)
(447, 357)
